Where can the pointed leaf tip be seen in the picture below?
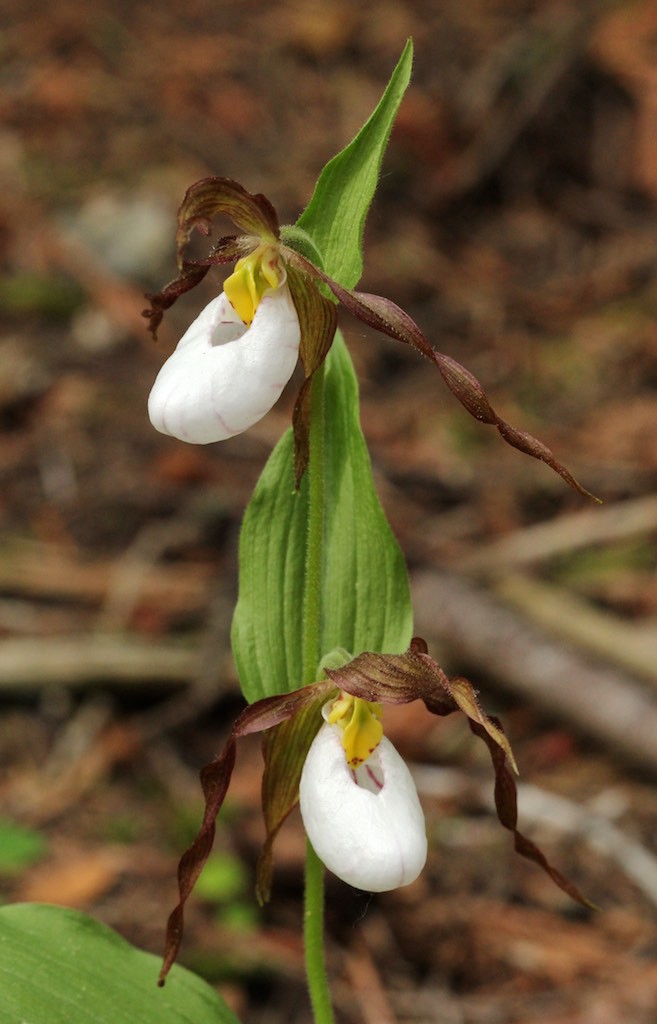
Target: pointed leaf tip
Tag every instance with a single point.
(335, 216)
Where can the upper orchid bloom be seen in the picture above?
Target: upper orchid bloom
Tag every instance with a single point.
(361, 813)
(235, 359)
(232, 364)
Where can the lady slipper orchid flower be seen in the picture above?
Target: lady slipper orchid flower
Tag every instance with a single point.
(363, 819)
(323, 744)
(233, 362)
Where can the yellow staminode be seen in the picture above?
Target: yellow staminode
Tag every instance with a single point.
(253, 276)
(360, 722)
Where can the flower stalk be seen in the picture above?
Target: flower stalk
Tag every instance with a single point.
(313, 938)
(312, 611)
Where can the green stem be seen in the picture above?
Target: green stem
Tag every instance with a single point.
(315, 539)
(313, 933)
(313, 929)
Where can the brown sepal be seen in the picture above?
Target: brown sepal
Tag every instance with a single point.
(506, 805)
(285, 749)
(402, 678)
(211, 196)
(192, 272)
(202, 201)
(318, 320)
(215, 779)
(385, 316)
(190, 275)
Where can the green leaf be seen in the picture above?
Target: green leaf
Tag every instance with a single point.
(358, 570)
(19, 847)
(335, 215)
(58, 966)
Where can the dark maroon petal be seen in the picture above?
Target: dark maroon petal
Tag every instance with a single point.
(192, 272)
(285, 749)
(318, 320)
(189, 276)
(210, 197)
(215, 779)
(506, 804)
(390, 319)
(393, 321)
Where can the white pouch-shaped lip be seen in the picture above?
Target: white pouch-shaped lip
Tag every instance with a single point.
(366, 826)
(223, 376)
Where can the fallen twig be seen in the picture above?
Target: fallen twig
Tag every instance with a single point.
(29, 664)
(47, 570)
(620, 521)
(632, 646)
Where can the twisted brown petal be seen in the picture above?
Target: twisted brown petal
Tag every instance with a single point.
(215, 779)
(192, 272)
(506, 805)
(285, 749)
(390, 319)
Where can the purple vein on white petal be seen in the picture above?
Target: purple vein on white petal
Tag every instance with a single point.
(377, 783)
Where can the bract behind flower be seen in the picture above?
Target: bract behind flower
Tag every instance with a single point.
(223, 377)
(366, 825)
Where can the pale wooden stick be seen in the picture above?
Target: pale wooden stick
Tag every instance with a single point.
(623, 520)
(30, 664)
(630, 645)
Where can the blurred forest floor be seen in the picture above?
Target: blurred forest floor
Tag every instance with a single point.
(516, 219)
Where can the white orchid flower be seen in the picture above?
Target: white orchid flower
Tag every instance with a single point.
(232, 364)
(201, 385)
(358, 800)
(364, 821)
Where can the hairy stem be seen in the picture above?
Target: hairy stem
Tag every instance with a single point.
(314, 544)
(318, 988)
(313, 932)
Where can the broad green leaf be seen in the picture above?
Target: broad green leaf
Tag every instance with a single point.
(335, 215)
(58, 966)
(365, 603)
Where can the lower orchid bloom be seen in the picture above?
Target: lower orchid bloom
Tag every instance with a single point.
(324, 748)
(362, 815)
